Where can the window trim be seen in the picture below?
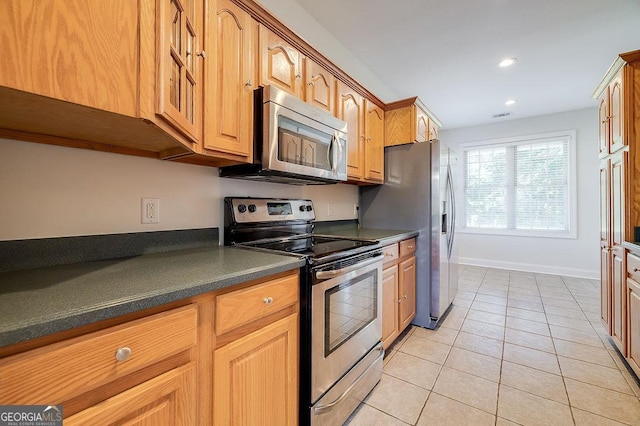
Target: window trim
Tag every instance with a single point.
(572, 232)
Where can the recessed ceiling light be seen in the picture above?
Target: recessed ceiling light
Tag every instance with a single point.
(510, 102)
(507, 62)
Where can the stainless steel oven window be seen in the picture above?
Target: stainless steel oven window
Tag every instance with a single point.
(349, 307)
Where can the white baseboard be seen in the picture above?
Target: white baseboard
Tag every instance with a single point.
(528, 267)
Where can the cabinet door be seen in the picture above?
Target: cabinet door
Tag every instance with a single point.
(618, 196)
(374, 143)
(280, 63)
(179, 88)
(390, 304)
(619, 299)
(81, 51)
(169, 399)
(320, 87)
(422, 126)
(351, 109)
(231, 75)
(407, 293)
(633, 324)
(604, 129)
(256, 377)
(616, 113)
(605, 287)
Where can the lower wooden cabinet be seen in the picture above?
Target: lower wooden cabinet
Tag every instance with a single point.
(256, 377)
(390, 316)
(255, 361)
(83, 371)
(407, 293)
(398, 290)
(618, 299)
(168, 399)
(633, 325)
(167, 366)
(632, 320)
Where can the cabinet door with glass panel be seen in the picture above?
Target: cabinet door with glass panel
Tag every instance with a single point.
(179, 65)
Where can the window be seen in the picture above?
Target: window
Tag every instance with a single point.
(520, 186)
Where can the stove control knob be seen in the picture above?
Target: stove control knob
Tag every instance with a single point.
(302, 208)
(252, 208)
(309, 208)
(242, 208)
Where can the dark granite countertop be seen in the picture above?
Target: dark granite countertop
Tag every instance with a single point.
(385, 236)
(43, 301)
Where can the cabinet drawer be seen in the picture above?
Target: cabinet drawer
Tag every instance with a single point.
(390, 253)
(243, 306)
(407, 247)
(72, 367)
(633, 266)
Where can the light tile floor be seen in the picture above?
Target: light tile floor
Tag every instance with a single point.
(516, 348)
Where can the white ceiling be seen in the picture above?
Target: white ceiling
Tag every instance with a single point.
(446, 51)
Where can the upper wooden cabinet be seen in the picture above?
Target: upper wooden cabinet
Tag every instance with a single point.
(79, 51)
(320, 88)
(280, 63)
(611, 126)
(373, 143)
(350, 108)
(408, 121)
(173, 80)
(365, 135)
(179, 64)
(231, 74)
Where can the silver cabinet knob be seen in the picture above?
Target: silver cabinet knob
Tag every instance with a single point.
(298, 75)
(268, 300)
(635, 269)
(202, 54)
(123, 354)
(249, 83)
(404, 296)
(311, 83)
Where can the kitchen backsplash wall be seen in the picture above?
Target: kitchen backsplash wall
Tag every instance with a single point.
(51, 191)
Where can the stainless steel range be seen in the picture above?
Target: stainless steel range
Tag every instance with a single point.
(341, 302)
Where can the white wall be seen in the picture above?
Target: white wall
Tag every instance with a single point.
(575, 257)
(50, 191)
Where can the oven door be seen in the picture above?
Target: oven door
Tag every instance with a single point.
(346, 321)
(299, 145)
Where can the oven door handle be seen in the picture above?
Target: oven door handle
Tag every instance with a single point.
(325, 275)
(324, 408)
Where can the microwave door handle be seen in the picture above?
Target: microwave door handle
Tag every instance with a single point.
(332, 154)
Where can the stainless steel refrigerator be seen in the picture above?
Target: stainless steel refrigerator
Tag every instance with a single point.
(419, 193)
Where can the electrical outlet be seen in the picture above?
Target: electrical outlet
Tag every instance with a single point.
(150, 210)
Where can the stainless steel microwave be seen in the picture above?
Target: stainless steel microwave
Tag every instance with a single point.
(294, 142)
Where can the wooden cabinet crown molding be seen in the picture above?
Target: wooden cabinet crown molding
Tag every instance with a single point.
(403, 103)
(265, 18)
(621, 60)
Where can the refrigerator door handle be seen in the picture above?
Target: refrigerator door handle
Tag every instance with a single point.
(452, 222)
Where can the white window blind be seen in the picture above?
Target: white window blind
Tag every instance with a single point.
(520, 186)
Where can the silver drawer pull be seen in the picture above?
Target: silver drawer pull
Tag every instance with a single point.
(635, 269)
(123, 354)
(268, 300)
(388, 255)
